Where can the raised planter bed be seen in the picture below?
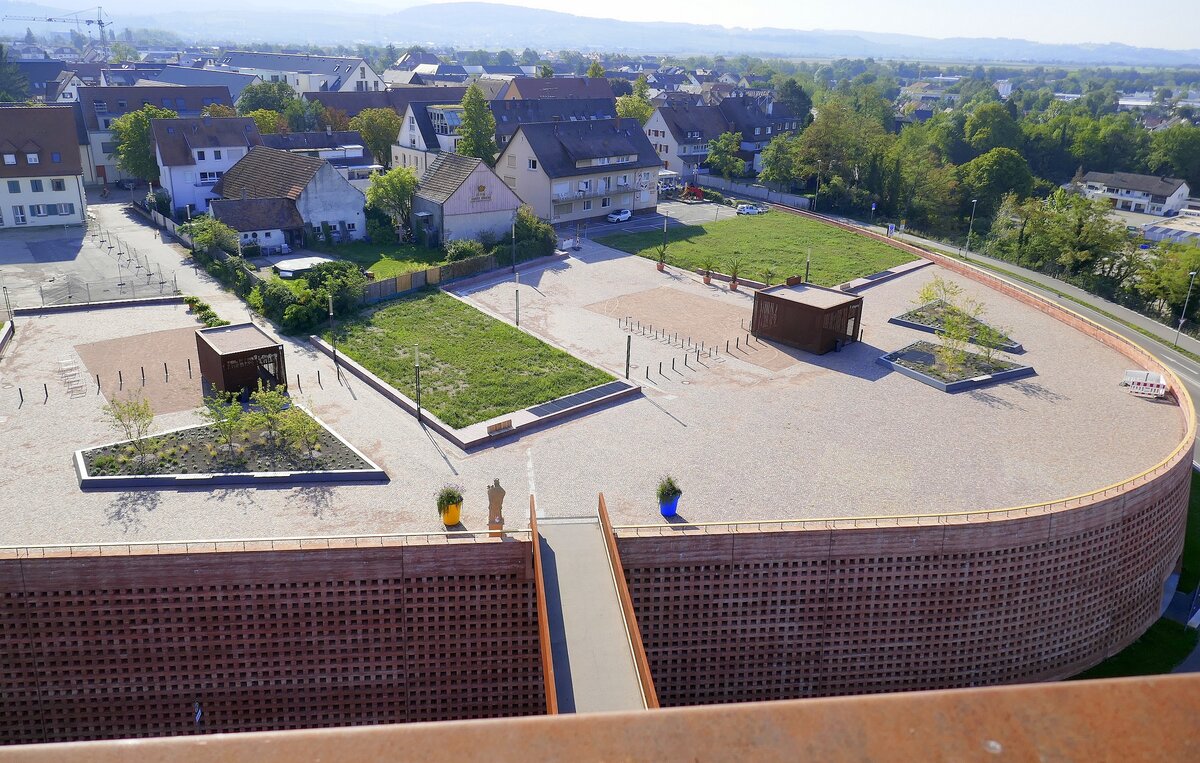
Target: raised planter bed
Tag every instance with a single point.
(919, 361)
(930, 319)
(192, 456)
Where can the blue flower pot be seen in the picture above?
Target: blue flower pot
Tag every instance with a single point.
(667, 508)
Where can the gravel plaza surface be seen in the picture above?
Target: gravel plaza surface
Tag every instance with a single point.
(748, 438)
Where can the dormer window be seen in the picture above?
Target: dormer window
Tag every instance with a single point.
(31, 158)
(10, 159)
(101, 107)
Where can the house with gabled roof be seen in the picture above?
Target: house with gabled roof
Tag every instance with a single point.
(195, 152)
(306, 72)
(321, 197)
(528, 88)
(1131, 192)
(460, 197)
(569, 171)
(344, 149)
(396, 99)
(41, 170)
(681, 135)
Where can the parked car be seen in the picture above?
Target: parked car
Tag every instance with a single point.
(620, 216)
(747, 209)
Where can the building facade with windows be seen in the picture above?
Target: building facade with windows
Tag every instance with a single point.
(306, 73)
(569, 171)
(194, 153)
(1129, 192)
(681, 135)
(40, 167)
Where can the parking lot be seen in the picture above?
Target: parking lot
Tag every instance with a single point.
(676, 213)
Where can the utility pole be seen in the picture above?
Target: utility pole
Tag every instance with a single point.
(971, 227)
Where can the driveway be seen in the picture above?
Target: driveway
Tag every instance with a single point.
(676, 213)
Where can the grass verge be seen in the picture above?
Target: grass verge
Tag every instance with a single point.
(383, 259)
(473, 367)
(778, 241)
(1158, 651)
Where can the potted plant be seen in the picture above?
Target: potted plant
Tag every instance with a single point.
(662, 258)
(768, 276)
(668, 496)
(449, 503)
(735, 266)
(707, 267)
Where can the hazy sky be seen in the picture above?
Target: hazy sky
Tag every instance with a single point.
(1039, 20)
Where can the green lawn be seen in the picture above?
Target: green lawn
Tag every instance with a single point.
(473, 367)
(1190, 575)
(1160, 649)
(385, 260)
(776, 240)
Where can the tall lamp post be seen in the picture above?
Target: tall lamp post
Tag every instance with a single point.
(333, 340)
(1183, 315)
(971, 227)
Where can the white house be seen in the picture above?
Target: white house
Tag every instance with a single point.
(681, 135)
(41, 171)
(1148, 194)
(460, 197)
(273, 225)
(305, 72)
(194, 153)
(323, 199)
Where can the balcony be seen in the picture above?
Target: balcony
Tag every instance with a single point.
(594, 192)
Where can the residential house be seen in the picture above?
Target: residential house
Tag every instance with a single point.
(571, 171)
(403, 78)
(127, 74)
(322, 198)
(460, 197)
(21, 51)
(430, 128)
(272, 224)
(662, 80)
(758, 125)
(532, 88)
(193, 153)
(41, 76)
(345, 150)
(40, 167)
(1148, 194)
(306, 72)
(65, 87)
(396, 99)
(681, 135)
(101, 105)
(412, 60)
(186, 75)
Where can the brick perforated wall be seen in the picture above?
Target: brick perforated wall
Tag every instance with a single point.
(104, 647)
(775, 615)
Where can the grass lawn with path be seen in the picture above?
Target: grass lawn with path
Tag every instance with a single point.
(473, 367)
(777, 240)
(385, 260)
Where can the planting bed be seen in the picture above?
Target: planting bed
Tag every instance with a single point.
(931, 318)
(920, 361)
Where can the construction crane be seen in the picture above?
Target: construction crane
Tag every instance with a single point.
(75, 18)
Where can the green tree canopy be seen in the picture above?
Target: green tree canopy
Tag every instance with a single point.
(209, 233)
(595, 70)
(546, 71)
(218, 110)
(998, 172)
(1176, 150)
(636, 105)
(477, 131)
(781, 160)
(13, 85)
(379, 128)
(135, 150)
(268, 122)
(392, 192)
(722, 155)
(991, 126)
(792, 95)
(529, 57)
(1063, 234)
(274, 96)
(304, 116)
(122, 51)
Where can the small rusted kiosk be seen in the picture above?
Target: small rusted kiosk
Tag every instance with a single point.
(235, 358)
(811, 318)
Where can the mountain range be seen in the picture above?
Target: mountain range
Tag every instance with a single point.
(490, 25)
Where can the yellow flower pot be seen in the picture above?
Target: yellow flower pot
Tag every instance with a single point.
(453, 514)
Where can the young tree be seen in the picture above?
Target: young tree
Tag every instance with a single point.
(218, 110)
(208, 233)
(274, 96)
(477, 132)
(722, 155)
(301, 432)
(268, 122)
(304, 116)
(336, 119)
(780, 161)
(225, 414)
(120, 52)
(379, 128)
(546, 71)
(595, 70)
(267, 411)
(13, 84)
(391, 192)
(637, 104)
(135, 150)
(132, 418)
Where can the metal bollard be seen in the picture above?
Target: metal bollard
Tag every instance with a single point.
(46, 389)
(189, 368)
(143, 375)
(97, 384)
(166, 373)
(22, 394)
(726, 346)
(737, 343)
(319, 384)
(298, 387)
(120, 380)
(673, 365)
(660, 373)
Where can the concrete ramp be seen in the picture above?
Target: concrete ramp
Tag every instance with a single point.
(595, 669)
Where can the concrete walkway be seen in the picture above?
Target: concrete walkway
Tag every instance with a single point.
(593, 662)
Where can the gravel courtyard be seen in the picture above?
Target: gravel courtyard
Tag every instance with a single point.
(798, 436)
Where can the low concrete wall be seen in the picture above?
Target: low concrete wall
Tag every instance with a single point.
(6, 335)
(757, 192)
(172, 299)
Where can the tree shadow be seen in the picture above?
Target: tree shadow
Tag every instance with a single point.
(128, 509)
(990, 400)
(316, 498)
(1037, 391)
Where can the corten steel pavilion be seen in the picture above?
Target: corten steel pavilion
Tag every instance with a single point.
(236, 358)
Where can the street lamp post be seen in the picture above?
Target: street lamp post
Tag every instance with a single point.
(817, 192)
(971, 227)
(1183, 315)
(333, 340)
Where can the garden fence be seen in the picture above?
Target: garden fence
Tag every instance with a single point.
(757, 192)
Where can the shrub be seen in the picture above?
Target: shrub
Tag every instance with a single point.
(104, 464)
(463, 249)
(255, 300)
(276, 298)
(668, 489)
(380, 230)
(303, 316)
(716, 196)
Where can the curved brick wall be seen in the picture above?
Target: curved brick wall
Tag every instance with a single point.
(959, 601)
(98, 647)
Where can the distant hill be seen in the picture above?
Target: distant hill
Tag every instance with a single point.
(490, 25)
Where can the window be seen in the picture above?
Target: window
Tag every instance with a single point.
(362, 72)
(210, 177)
(105, 123)
(64, 209)
(122, 105)
(1, 219)
(56, 157)
(14, 186)
(512, 160)
(10, 158)
(757, 130)
(199, 156)
(38, 210)
(19, 215)
(587, 205)
(412, 121)
(351, 226)
(533, 164)
(268, 234)
(605, 203)
(108, 147)
(36, 186)
(216, 153)
(100, 106)
(58, 185)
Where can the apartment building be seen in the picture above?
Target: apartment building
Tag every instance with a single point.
(195, 152)
(305, 72)
(681, 135)
(1130, 192)
(40, 167)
